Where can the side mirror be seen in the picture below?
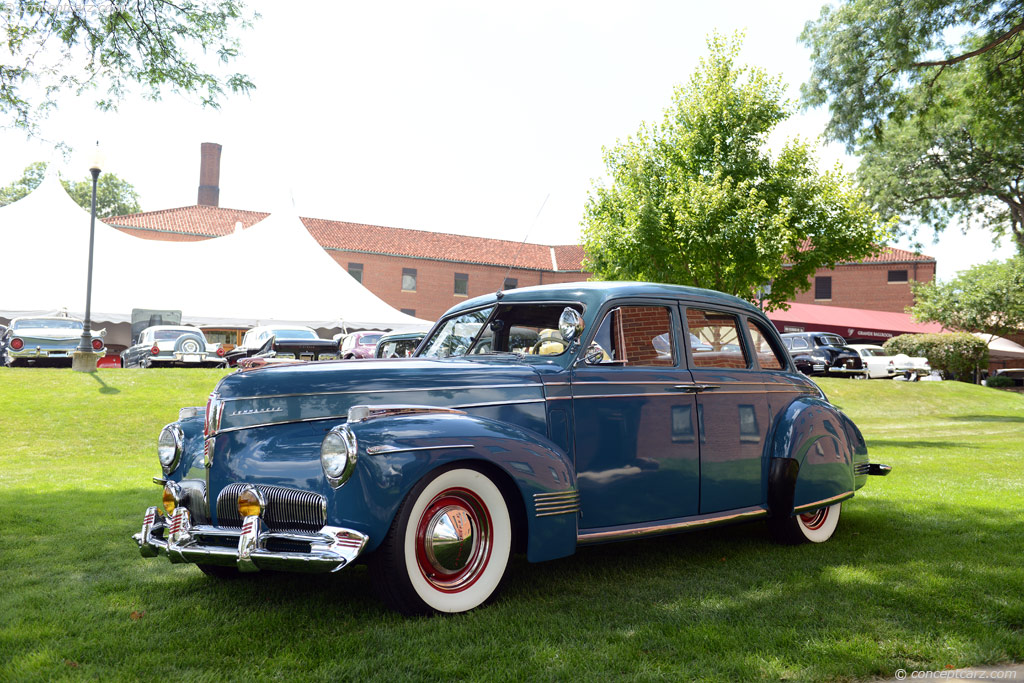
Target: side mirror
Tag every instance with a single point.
(570, 324)
(595, 354)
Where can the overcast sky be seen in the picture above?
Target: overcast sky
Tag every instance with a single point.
(458, 117)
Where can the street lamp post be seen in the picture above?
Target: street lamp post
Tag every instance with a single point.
(85, 357)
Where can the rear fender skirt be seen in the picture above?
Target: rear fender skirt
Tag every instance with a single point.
(813, 451)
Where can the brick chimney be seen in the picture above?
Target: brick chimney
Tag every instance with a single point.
(209, 174)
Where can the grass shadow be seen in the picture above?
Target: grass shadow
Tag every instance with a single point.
(893, 443)
(986, 418)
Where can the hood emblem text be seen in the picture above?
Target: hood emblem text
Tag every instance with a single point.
(257, 411)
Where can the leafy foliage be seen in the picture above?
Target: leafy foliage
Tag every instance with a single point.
(956, 354)
(699, 201)
(868, 56)
(937, 136)
(78, 45)
(999, 382)
(114, 196)
(987, 298)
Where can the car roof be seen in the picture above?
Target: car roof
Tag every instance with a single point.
(44, 317)
(183, 328)
(594, 293)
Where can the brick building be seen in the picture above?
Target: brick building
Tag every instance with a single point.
(425, 273)
(878, 283)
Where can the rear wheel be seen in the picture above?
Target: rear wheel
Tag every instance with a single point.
(816, 526)
(449, 545)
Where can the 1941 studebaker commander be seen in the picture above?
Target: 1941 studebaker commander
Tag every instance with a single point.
(435, 469)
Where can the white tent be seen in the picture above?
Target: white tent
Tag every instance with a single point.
(1001, 349)
(272, 272)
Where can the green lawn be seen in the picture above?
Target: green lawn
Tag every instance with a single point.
(925, 571)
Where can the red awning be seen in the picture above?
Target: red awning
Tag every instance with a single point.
(850, 323)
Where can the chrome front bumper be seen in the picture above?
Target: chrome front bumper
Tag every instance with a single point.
(329, 549)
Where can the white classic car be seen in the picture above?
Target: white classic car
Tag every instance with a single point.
(879, 364)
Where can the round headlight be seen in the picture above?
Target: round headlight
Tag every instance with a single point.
(169, 446)
(338, 455)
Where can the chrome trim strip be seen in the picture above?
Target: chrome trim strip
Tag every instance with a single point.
(572, 511)
(823, 503)
(614, 534)
(569, 493)
(388, 450)
(364, 412)
(501, 403)
(538, 385)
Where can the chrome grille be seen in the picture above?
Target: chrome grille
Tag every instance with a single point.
(861, 468)
(286, 508)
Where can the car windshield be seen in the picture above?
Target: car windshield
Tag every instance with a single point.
(168, 335)
(876, 351)
(47, 324)
(369, 339)
(831, 340)
(287, 333)
(526, 329)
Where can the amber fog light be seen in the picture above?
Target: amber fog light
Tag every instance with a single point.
(172, 497)
(251, 502)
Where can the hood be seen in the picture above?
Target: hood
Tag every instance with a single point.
(327, 389)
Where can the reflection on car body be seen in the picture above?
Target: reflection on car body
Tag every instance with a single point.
(534, 420)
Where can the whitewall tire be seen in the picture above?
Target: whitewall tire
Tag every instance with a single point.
(816, 526)
(448, 547)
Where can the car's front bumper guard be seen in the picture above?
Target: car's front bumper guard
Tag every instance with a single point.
(330, 549)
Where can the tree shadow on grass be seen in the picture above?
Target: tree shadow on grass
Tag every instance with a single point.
(931, 445)
(899, 586)
(986, 418)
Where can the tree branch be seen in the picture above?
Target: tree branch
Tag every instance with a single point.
(973, 53)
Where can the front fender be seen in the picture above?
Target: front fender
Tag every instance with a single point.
(397, 451)
(814, 448)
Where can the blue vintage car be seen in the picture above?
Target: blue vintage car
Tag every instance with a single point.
(631, 410)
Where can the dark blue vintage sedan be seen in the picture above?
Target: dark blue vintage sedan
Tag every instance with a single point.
(535, 420)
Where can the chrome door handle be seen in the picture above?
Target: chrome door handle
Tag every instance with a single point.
(695, 388)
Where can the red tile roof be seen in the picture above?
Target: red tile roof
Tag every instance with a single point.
(209, 221)
(212, 221)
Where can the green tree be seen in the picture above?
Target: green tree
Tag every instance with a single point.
(939, 137)
(987, 298)
(869, 56)
(698, 200)
(78, 45)
(114, 196)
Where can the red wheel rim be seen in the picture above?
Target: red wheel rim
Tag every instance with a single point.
(453, 540)
(813, 521)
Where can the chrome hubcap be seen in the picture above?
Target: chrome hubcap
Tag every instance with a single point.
(814, 520)
(449, 541)
(453, 540)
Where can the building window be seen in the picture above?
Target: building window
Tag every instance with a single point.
(409, 311)
(408, 279)
(510, 283)
(822, 288)
(356, 271)
(898, 276)
(461, 284)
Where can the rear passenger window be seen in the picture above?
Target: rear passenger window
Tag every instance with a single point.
(767, 357)
(634, 335)
(715, 340)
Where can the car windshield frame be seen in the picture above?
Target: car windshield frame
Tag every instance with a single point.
(431, 346)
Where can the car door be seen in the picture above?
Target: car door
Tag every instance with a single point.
(732, 410)
(636, 445)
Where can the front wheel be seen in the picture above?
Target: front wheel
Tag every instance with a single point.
(815, 527)
(449, 545)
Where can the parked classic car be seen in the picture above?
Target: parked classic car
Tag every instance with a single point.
(359, 344)
(286, 342)
(435, 469)
(824, 353)
(45, 340)
(172, 345)
(398, 345)
(880, 364)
